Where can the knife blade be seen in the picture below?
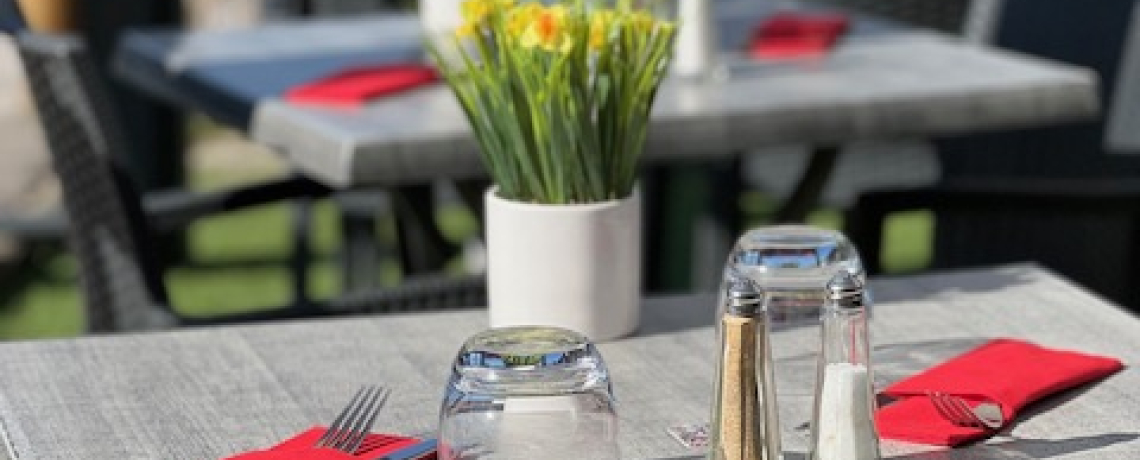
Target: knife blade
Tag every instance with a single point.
(417, 451)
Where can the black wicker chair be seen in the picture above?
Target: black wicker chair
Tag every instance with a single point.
(111, 228)
(1053, 195)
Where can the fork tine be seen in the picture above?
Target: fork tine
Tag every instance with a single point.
(354, 429)
(955, 410)
(940, 406)
(967, 412)
(366, 426)
(348, 432)
(337, 424)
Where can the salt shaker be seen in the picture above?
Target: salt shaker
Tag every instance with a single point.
(745, 422)
(843, 425)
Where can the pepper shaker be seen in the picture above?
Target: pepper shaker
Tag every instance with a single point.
(843, 425)
(745, 422)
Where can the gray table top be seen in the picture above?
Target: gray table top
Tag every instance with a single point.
(881, 82)
(206, 393)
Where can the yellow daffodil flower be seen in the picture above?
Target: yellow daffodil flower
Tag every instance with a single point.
(467, 30)
(550, 30)
(520, 17)
(476, 11)
(641, 22)
(601, 23)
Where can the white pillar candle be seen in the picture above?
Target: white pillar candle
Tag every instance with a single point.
(440, 17)
(695, 46)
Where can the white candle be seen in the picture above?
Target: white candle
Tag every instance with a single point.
(440, 17)
(694, 49)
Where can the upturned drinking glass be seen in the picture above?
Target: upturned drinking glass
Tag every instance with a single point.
(793, 264)
(528, 392)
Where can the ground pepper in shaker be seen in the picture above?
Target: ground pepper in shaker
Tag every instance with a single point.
(843, 425)
(745, 426)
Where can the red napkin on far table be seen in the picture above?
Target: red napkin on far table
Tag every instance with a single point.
(353, 87)
(300, 447)
(1011, 373)
(797, 35)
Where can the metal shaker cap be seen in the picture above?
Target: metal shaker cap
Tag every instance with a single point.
(846, 291)
(743, 297)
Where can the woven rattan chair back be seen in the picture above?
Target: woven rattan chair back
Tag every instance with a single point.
(121, 280)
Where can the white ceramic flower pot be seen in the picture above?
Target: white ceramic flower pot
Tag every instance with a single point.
(572, 266)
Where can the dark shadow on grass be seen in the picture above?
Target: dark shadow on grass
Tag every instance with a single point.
(36, 265)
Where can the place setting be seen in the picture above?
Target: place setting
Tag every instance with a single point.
(523, 392)
(550, 229)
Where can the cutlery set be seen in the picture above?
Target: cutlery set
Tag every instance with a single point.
(352, 425)
(959, 411)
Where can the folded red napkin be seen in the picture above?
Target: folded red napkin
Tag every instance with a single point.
(356, 86)
(301, 447)
(796, 35)
(1008, 372)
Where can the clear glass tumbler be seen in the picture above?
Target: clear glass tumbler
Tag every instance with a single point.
(528, 392)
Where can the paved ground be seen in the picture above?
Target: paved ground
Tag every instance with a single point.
(26, 182)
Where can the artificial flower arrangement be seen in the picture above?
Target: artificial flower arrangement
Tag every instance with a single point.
(558, 95)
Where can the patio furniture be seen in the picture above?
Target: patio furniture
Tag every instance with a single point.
(1054, 195)
(111, 230)
(883, 82)
(211, 392)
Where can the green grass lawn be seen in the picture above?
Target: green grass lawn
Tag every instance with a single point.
(238, 261)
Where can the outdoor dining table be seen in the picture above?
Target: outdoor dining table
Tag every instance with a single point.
(212, 392)
(884, 80)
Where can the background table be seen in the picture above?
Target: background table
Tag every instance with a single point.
(883, 81)
(196, 394)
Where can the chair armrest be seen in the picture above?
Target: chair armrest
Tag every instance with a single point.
(428, 292)
(48, 227)
(436, 292)
(173, 210)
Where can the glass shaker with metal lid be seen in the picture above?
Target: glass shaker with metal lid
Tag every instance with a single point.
(791, 266)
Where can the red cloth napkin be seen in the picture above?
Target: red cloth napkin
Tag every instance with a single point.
(797, 35)
(353, 87)
(1011, 373)
(301, 447)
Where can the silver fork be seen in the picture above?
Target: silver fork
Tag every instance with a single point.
(354, 422)
(958, 411)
